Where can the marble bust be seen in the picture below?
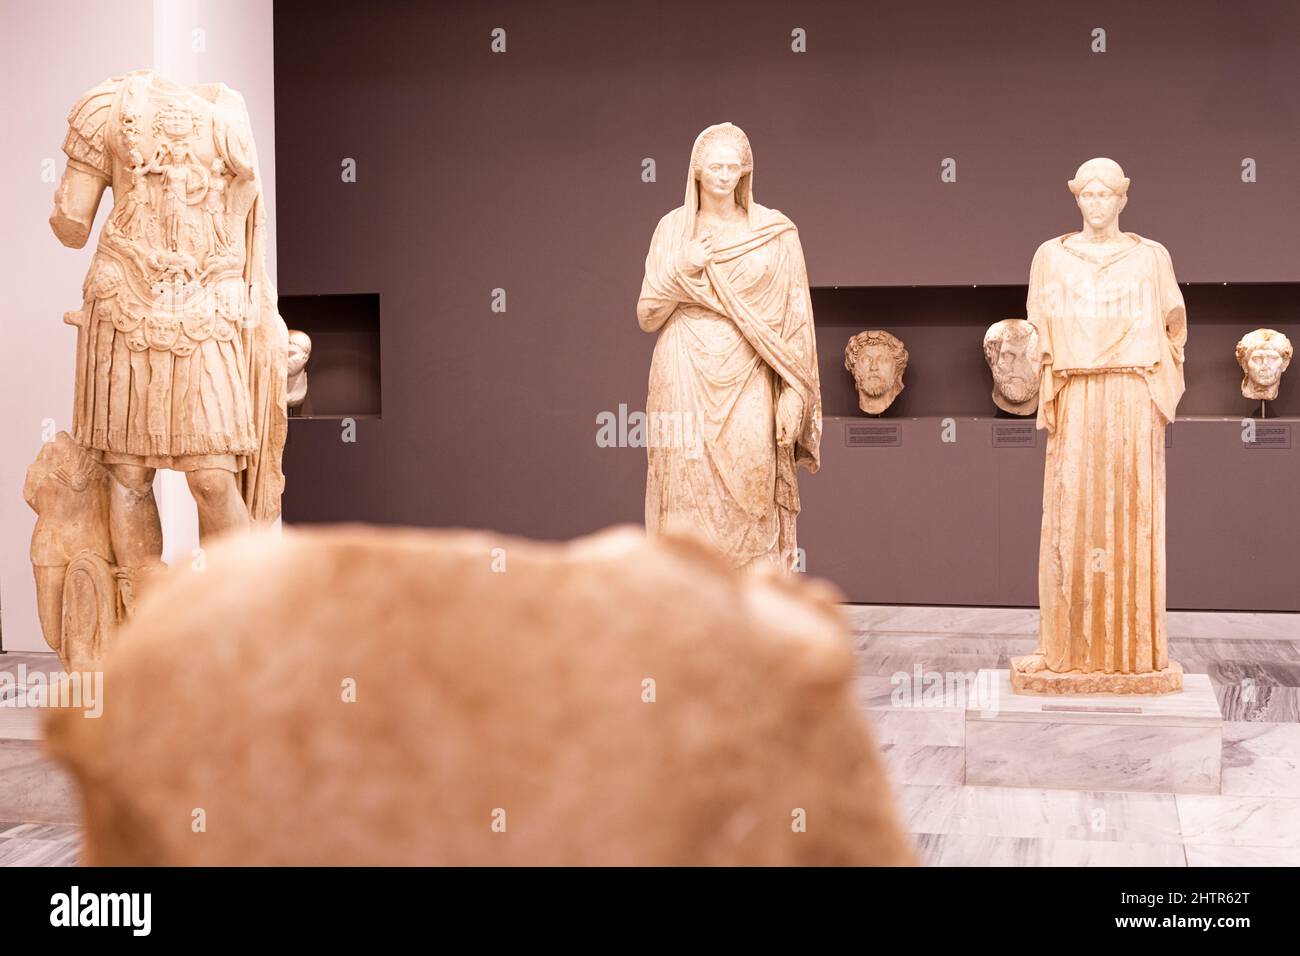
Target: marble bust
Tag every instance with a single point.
(1011, 349)
(299, 354)
(1263, 356)
(877, 361)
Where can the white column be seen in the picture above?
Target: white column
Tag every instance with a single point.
(206, 41)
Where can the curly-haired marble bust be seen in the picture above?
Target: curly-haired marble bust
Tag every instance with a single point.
(877, 361)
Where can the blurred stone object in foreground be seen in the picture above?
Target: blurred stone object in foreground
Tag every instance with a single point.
(613, 700)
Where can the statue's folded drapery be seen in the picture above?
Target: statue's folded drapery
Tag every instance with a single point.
(262, 482)
(1111, 330)
(733, 340)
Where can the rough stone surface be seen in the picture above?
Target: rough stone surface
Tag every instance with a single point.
(497, 680)
(1167, 681)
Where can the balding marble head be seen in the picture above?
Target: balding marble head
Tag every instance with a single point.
(1011, 349)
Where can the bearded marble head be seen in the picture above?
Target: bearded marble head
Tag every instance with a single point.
(877, 361)
(1011, 349)
(1263, 356)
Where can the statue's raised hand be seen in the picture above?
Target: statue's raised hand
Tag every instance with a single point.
(698, 254)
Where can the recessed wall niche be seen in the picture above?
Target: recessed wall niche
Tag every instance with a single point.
(943, 329)
(957, 521)
(343, 372)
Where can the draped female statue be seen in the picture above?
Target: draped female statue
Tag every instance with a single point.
(735, 403)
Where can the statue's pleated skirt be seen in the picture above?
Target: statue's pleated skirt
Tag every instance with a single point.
(1101, 565)
(157, 406)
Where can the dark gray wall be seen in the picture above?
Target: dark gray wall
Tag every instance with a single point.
(522, 171)
(935, 522)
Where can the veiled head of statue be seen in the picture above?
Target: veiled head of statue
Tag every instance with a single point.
(722, 162)
(1101, 190)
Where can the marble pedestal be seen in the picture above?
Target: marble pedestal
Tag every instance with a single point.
(1171, 743)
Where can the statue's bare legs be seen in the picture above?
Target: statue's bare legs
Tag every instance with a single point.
(221, 507)
(133, 512)
(133, 523)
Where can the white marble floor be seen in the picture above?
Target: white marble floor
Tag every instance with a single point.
(1229, 625)
(39, 844)
(1254, 664)
(38, 802)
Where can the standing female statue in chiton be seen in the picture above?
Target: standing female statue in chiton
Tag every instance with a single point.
(1111, 329)
(735, 403)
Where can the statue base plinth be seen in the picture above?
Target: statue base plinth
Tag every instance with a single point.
(1052, 683)
(1154, 743)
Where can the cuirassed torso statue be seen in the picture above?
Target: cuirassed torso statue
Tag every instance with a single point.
(170, 349)
(734, 404)
(180, 352)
